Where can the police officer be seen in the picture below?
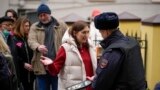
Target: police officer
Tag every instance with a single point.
(120, 66)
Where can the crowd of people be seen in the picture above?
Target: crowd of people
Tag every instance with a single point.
(40, 53)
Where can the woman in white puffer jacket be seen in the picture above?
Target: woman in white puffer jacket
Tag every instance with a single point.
(76, 58)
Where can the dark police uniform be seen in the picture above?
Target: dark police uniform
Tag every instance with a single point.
(114, 72)
(120, 66)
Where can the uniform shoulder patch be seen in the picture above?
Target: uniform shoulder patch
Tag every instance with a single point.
(103, 63)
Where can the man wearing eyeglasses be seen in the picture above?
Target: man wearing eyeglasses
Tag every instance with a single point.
(6, 24)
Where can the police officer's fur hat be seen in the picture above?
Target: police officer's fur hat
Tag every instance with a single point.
(106, 20)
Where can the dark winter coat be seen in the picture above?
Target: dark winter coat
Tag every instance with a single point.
(120, 67)
(24, 55)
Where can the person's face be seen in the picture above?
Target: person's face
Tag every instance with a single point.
(104, 33)
(10, 14)
(7, 25)
(44, 18)
(26, 27)
(82, 36)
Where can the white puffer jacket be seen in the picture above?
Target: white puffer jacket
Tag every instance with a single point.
(73, 71)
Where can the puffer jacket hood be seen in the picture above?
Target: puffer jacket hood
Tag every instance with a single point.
(67, 38)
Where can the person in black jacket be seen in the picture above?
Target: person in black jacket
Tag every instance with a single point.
(4, 73)
(120, 67)
(6, 24)
(24, 53)
(8, 77)
(4, 68)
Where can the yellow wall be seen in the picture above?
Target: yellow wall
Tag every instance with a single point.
(153, 54)
(153, 47)
(130, 26)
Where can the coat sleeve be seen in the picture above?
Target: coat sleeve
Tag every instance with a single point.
(107, 70)
(58, 63)
(32, 39)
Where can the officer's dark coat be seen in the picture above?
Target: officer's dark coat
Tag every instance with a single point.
(120, 67)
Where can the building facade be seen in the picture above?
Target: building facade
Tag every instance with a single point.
(84, 8)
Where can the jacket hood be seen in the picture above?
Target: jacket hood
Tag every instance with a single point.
(67, 38)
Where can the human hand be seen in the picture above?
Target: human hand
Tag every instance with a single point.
(90, 78)
(28, 66)
(42, 49)
(46, 60)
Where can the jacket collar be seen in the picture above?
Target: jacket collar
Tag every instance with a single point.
(116, 35)
(69, 39)
(40, 25)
